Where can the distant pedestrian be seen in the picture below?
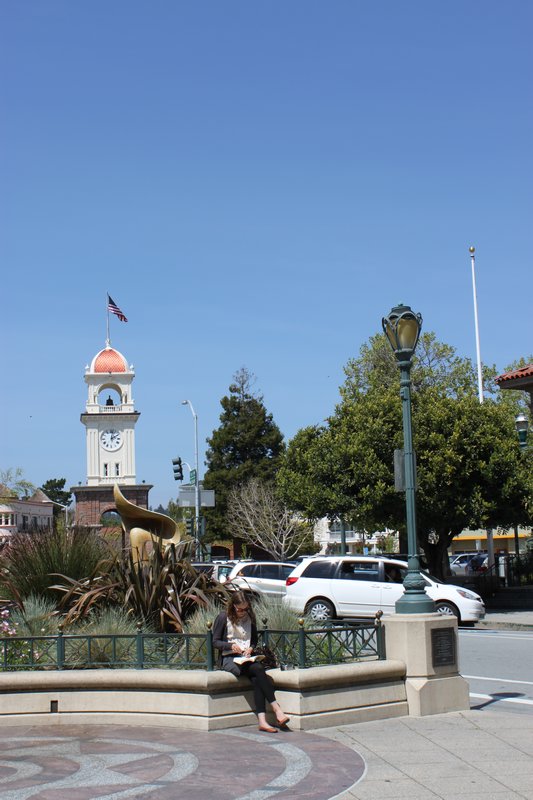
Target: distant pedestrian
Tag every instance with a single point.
(235, 636)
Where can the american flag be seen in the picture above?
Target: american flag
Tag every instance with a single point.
(112, 306)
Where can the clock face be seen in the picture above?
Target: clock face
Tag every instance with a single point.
(111, 439)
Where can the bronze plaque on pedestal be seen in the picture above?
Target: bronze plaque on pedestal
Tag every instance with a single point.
(443, 648)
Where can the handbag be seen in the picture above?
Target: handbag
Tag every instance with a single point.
(269, 661)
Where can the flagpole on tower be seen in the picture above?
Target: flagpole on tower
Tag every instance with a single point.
(107, 339)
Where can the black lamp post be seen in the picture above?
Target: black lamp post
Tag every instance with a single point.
(402, 327)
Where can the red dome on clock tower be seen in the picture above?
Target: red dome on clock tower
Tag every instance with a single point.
(109, 360)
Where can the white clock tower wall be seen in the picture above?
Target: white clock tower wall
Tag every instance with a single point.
(109, 418)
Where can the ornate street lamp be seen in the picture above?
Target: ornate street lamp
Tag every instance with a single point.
(402, 328)
(522, 426)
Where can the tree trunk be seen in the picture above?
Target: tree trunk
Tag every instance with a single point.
(437, 556)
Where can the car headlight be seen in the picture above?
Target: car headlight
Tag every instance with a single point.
(468, 595)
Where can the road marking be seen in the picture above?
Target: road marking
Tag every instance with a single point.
(499, 634)
(498, 680)
(524, 702)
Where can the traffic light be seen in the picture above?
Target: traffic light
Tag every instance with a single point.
(178, 469)
(189, 526)
(201, 522)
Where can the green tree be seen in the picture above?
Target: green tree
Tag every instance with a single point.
(470, 471)
(247, 444)
(54, 489)
(14, 481)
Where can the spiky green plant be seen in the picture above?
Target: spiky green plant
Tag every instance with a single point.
(101, 625)
(277, 614)
(162, 590)
(36, 616)
(31, 561)
(203, 616)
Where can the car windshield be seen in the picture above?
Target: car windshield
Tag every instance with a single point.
(431, 577)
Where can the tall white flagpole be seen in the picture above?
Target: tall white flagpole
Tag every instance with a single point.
(490, 540)
(478, 351)
(107, 341)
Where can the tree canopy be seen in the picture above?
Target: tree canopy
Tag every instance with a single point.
(247, 444)
(54, 488)
(13, 480)
(470, 469)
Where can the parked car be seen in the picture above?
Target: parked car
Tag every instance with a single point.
(261, 577)
(459, 564)
(217, 570)
(358, 586)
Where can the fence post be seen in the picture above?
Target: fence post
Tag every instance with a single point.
(380, 635)
(301, 644)
(139, 646)
(60, 647)
(209, 647)
(265, 632)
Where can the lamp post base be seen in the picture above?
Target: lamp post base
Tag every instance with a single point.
(416, 602)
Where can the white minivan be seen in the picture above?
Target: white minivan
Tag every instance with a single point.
(359, 586)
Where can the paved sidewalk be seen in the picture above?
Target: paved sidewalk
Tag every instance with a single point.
(468, 755)
(507, 619)
(481, 754)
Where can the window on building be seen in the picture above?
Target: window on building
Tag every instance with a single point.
(117, 470)
(24, 522)
(335, 527)
(106, 470)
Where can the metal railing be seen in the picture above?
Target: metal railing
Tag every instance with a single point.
(301, 648)
(331, 644)
(516, 570)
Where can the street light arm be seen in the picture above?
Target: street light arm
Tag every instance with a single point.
(65, 509)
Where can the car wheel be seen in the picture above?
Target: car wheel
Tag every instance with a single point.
(320, 610)
(449, 609)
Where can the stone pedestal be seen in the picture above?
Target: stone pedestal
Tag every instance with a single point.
(428, 645)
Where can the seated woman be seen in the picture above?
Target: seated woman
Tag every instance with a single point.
(235, 635)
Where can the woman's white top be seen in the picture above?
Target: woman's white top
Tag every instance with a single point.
(239, 633)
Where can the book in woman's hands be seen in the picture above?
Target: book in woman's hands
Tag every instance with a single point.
(248, 659)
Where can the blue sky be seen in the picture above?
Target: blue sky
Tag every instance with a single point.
(254, 184)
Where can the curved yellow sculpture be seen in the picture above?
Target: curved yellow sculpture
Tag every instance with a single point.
(143, 526)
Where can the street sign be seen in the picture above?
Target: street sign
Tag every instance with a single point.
(399, 470)
(187, 497)
(192, 476)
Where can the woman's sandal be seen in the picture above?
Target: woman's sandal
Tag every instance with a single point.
(283, 722)
(267, 729)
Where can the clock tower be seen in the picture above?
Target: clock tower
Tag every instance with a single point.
(109, 418)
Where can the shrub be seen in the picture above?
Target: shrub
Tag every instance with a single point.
(278, 615)
(202, 616)
(106, 622)
(163, 590)
(37, 616)
(32, 561)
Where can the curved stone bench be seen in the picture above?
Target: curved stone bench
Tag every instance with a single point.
(200, 700)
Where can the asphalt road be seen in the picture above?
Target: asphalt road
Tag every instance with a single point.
(498, 665)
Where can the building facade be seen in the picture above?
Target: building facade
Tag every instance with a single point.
(35, 513)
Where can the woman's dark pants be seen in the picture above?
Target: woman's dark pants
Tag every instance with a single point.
(263, 689)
